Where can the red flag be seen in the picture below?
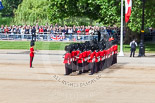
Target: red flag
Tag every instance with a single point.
(128, 6)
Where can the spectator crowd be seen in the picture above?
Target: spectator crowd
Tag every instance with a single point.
(56, 32)
(54, 29)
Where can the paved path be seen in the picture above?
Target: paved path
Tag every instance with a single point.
(132, 80)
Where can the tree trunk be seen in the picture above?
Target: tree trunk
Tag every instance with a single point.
(130, 35)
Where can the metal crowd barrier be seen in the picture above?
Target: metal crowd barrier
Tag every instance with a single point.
(48, 37)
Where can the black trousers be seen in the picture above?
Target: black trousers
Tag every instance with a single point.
(132, 52)
(111, 60)
(74, 66)
(100, 65)
(107, 62)
(68, 69)
(114, 58)
(103, 65)
(92, 67)
(97, 64)
(34, 37)
(80, 67)
(31, 60)
(85, 66)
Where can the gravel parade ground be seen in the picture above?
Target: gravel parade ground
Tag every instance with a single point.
(131, 80)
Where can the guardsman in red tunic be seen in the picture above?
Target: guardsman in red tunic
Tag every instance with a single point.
(88, 52)
(101, 59)
(74, 68)
(91, 61)
(73, 60)
(115, 53)
(67, 61)
(112, 53)
(80, 62)
(84, 55)
(31, 53)
(97, 59)
(76, 57)
(108, 58)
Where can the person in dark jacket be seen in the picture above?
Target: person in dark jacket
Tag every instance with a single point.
(33, 32)
(133, 46)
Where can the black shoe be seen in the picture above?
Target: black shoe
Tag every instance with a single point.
(91, 74)
(84, 71)
(87, 71)
(66, 74)
(80, 72)
(74, 71)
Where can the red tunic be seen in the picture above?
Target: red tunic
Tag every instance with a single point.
(31, 52)
(67, 58)
(88, 55)
(77, 52)
(101, 55)
(84, 54)
(72, 55)
(110, 51)
(91, 57)
(106, 53)
(80, 58)
(97, 57)
(115, 49)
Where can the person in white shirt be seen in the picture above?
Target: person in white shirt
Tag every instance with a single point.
(70, 31)
(133, 46)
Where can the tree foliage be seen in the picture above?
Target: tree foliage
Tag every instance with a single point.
(32, 11)
(9, 7)
(107, 12)
(136, 16)
(61, 9)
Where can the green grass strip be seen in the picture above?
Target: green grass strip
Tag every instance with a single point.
(25, 45)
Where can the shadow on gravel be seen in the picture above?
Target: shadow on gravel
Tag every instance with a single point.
(27, 52)
(150, 56)
(114, 68)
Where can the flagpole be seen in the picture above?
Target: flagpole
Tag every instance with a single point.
(121, 37)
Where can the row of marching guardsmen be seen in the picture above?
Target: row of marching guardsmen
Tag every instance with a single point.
(89, 57)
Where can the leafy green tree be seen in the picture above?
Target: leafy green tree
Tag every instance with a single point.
(61, 9)
(32, 11)
(9, 6)
(136, 16)
(107, 12)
